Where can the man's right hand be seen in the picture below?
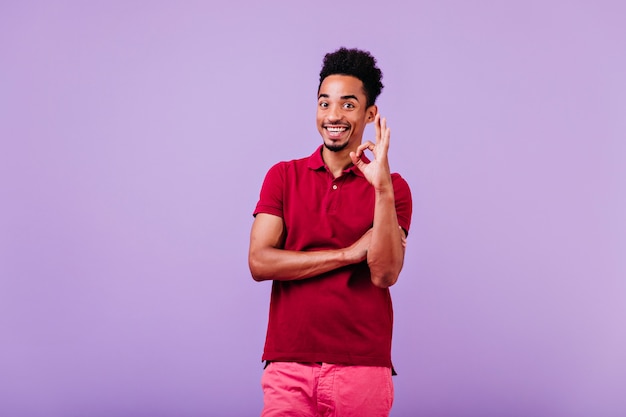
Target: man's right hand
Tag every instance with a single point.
(357, 252)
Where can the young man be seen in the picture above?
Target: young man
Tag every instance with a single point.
(330, 231)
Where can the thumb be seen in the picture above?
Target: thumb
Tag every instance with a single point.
(357, 161)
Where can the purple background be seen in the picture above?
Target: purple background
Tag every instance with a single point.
(134, 140)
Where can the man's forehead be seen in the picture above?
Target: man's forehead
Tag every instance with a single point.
(341, 85)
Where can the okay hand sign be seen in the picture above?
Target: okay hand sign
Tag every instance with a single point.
(377, 171)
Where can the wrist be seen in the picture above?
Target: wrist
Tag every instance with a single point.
(384, 191)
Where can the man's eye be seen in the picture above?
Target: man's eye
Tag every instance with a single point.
(348, 105)
(324, 105)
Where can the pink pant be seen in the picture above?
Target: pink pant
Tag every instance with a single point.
(313, 390)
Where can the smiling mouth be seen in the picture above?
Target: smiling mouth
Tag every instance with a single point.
(335, 131)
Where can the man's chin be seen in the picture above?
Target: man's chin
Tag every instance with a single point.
(336, 147)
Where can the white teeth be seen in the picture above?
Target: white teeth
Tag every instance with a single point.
(336, 129)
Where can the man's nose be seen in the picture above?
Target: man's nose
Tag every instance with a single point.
(334, 113)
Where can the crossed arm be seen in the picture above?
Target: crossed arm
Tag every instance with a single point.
(268, 261)
(385, 254)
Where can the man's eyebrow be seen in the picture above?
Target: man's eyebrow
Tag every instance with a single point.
(348, 97)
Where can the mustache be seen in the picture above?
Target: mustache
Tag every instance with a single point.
(325, 124)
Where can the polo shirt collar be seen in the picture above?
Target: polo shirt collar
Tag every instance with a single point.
(316, 162)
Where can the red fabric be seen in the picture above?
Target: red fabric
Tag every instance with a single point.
(312, 390)
(339, 317)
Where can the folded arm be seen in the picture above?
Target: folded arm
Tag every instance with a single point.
(269, 261)
(385, 255)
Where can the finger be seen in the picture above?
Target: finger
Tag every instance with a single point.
(377, 125)
(356, 155)
(383, 139)
(356, 160)
(385, 131)
(365, 145)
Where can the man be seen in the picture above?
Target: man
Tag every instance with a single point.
(330, 231)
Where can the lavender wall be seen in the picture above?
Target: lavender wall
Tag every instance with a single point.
(134, 139)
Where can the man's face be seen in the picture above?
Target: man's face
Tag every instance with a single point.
(342, 112)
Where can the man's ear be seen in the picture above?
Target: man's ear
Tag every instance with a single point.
(371, 113)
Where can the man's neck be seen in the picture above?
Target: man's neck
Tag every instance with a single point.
(336, 162)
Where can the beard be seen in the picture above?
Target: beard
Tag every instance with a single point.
(336, 147)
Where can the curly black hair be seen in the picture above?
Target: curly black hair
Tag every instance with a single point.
(357, 63)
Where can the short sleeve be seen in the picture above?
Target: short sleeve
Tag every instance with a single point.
(404, 202)
(272, 192)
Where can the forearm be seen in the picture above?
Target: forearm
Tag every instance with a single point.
(385, 256)
(284, 265)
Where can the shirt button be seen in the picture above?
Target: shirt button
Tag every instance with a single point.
(334, 186)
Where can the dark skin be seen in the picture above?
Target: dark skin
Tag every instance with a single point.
(342, 114)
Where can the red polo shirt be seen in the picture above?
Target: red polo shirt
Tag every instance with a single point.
(338, 317)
